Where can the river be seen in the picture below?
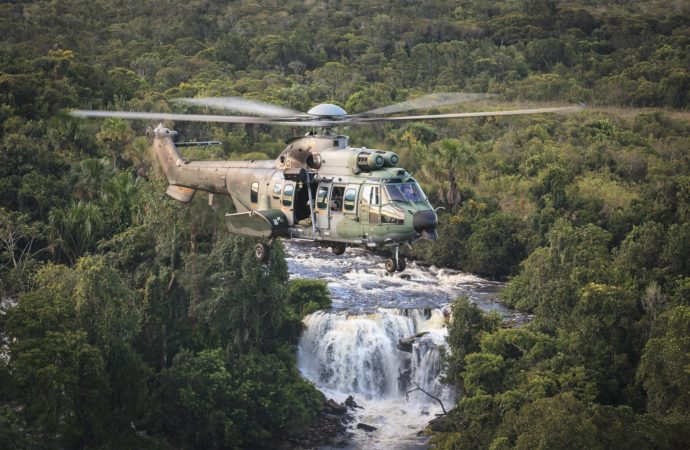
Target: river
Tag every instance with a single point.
(353, 349)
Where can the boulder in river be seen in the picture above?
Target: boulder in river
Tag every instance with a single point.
(405, 344)
(329, 428)
(332, 407)
(350, 402)
(365, 427)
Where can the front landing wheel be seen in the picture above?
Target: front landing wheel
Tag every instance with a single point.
(261, 252)
(391, 267)
(338, 248)
(402, 264)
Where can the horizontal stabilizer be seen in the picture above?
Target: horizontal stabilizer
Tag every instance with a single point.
(197, 143)
(180, 193)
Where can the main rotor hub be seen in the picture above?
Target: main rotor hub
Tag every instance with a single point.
(327, 110)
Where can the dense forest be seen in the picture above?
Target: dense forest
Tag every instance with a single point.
(131, 321)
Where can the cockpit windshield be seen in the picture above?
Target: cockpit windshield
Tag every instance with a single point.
(403, 192)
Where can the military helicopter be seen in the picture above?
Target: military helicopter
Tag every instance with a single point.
(319, 188)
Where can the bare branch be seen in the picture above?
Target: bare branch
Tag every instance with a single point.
(407, 397)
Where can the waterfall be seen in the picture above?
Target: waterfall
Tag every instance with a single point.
(351, 351)
(357, 354)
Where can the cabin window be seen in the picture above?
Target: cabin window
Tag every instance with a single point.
(337, 198)
(288, 191)
(350, 197)
(255, 192)
(375, 198)
(276, 190)
(366, 195)
(321, 196)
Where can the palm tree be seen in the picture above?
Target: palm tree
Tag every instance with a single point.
(137, 153)
(448, 161)
(120, 198)
(91, 175)
(116, 135)
(76, 229)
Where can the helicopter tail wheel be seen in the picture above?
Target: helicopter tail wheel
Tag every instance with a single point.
(338, 249)
(391, 266)
(261, 252)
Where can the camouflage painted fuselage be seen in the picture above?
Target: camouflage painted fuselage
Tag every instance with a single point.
(319, 189)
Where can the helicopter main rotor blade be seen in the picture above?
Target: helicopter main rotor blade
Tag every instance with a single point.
(171, 116)
(308, 121)
(428, 101)
(130, 115)
(242, 105)
(516, 112)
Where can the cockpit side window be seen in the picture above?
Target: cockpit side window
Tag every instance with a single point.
(403, 192)
(392, 214)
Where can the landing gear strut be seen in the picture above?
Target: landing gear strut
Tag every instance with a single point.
(397, 262)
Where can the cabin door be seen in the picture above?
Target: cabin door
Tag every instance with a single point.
(287, 202)
(322, 211)
(369, 208)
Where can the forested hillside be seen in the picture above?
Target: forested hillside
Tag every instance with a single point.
(131, 321)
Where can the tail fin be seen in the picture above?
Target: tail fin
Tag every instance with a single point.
(168, 156)
(171, 162)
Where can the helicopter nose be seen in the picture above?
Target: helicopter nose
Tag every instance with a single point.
(425, 222)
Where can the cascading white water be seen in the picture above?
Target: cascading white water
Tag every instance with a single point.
(352, 350)
(352, 353)
(358, 355)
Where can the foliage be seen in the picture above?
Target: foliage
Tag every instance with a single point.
(117, 306)
(211, 402)
(477, 239)
(308, 296)
(663, 369)
(464, 334)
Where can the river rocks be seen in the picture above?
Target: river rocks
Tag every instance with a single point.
(406, 344)
(365, 427)
(332, 407)
(328, 429)
(443, 423)
(350, 403)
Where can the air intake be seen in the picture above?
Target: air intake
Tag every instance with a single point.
(370, 161)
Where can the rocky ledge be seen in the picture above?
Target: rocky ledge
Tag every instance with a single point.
(328, 428)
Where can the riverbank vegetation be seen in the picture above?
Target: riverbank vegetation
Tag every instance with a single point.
(128, 320)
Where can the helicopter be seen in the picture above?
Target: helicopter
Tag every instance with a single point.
(319, 188)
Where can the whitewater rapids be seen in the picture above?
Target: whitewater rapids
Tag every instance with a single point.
(353, 349)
